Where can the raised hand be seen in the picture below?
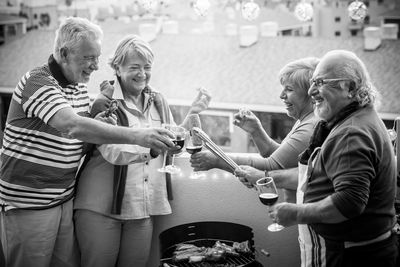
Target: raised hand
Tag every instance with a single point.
(201, 101)
(247, 120)
(107, 89)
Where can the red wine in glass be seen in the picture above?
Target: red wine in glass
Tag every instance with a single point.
(179, 142)
(195, 144)
(180, 134)
(194, 149)
(268, 199)
(268, 195)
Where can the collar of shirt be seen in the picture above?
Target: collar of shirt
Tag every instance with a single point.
(307, 116)
(56, 71)
(120, 96)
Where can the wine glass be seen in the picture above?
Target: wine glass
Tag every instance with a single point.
(268, 196)
(195, 144)
(179, 140)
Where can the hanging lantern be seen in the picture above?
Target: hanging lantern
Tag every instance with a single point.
(250, 11)
(357, 10)
(201, 7)
(148, 5)
(165, 2)
(304, 11)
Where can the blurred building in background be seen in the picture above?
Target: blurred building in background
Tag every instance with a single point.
(238, 60)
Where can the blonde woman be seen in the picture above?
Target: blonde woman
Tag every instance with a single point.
(120, 189)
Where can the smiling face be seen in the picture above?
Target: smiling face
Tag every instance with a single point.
(79, 62)
(329, 97)
(134, 72)
(296, 100)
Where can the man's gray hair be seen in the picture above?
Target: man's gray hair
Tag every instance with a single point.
(72, 31)
(355, 70)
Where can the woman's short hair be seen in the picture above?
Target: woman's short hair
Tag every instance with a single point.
(131, 43)
(299, 72)
(72, 31)
(353, 69)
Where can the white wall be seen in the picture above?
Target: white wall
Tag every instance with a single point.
(221, 197)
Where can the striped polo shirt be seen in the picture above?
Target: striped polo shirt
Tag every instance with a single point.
(39, 163)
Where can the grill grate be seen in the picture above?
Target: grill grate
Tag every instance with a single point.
(206, 234)
(242, 260)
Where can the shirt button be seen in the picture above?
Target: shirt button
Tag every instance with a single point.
(147, 163)
(145, 179)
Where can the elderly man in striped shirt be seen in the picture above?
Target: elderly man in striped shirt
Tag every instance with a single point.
(43, 143)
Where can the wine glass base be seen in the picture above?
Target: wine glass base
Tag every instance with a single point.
(196, 175)
(275, 227)
(163, 169)
(172, 169)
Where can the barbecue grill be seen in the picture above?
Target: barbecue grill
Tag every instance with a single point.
(205, 234)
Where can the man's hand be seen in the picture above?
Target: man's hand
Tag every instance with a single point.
(158, 139)
(284, 213)
(203, 161)
(247, 120)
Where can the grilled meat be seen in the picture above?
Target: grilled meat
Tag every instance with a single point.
(242, 247)
(228, 249)
(220, 250)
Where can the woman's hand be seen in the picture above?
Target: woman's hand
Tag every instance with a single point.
(110, 119)
(175, 150)
(203, 161)
(107, 89)
(201, 101)
(247, 120)
(248, 175)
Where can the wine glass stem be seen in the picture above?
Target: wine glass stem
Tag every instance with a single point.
(173, 160)
(270, 210)
(165, 159)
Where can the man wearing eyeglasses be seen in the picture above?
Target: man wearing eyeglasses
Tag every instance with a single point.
(349, 186)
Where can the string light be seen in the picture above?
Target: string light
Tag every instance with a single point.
(304, 11)
(201, 7)
(148, 5)
(357, 10)
(250, 10)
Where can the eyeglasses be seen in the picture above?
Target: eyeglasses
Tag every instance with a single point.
(319, 81)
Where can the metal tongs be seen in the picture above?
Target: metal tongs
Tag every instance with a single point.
(216, 150)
